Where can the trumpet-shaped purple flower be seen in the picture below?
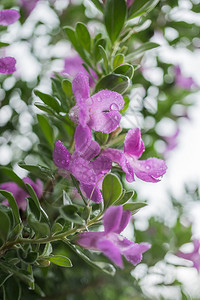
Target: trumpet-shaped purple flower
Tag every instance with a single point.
(110, 242)
(7, 65)
(184, 82)
(8, 16)
(193, 256)
(79, 164)
(20, 194)
(99, 112)
(73, 65)
(148, 170)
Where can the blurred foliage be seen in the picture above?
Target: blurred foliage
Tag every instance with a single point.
(47, 120)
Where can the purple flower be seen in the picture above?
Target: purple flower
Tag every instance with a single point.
(110, 242)
(7, 65)
(28, 5)
(194, 256)
(149, 170)
(184, 82)
(129, 2)
(99, 112)
(8, 16)
(88, 173)
(74, 65)
(20, 194)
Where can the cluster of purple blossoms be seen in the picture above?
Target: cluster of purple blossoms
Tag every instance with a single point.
(8, 17)
(20, 194)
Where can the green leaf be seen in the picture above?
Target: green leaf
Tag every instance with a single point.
(69, 212)
(61, 261)
(39, 227)
(47, 250)
(114, 16)
(49, 101)
(13, 204)
(104, 56)
(113, 82)
(140, 51)
(44, 108)
(4, 226)
(36, 201)
(14, 234)
(101, 137)
(134, 207)
(111, 189)
(12, 289)
(126, 104)
(126, 70)
(28, 258)
(97, 53)
(126, 197)
(11, 174)
(39, 171)
(140, 7)
(67, 87)
(3, 44)
(98, 5)
(83, 36)
(118, 60)
(46, 129)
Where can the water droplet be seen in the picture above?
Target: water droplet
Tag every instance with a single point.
(116, 118)
(148, 167)
(114, 107)
(99, 99)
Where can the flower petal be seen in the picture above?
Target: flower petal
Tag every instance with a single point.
(133, 143)
(104, 121)
(134, 253)
(61, 156)
(112, 218)
(89, 239)
(8, 16)
(92, 151)
(149, 170)
(126, 215)
(107, 100)
(82, 137)
(7, 65)
(80, 87)
(92, 192)
(111, 251)
(118, 157)
(101, 164)
(82, 170)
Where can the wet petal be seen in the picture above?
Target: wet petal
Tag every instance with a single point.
(80, 87)
(111, 251)
(7, 65)
(89, 239)
(82, 137)
(112, 218)
(104, 121)
(134, 253)
(107, 100)
(92, 192)
(61, 156)
(92, 151)
(149, 170)
(133, 143)
(8, 16)
(101, 164)
(126, 215)
(82, 170)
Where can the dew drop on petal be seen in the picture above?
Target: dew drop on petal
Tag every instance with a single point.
(148, 167)
(114, 107)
